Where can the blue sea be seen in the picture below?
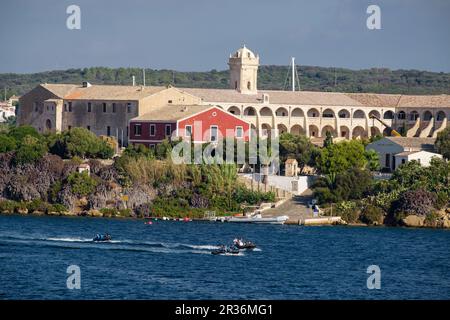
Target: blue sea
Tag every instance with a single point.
(172, 260)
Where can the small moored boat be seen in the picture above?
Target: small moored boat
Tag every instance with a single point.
(257, 218)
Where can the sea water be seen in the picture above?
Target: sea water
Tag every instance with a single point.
(173, 260)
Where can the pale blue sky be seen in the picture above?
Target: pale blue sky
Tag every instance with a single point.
(198, 35)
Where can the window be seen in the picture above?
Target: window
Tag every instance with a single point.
(170, 101)
(239, 132)
(152, 129)
(114, 107)
(108, 131)
(69, 127)
(249, 86)
(104, 107)
(65, 107)
(188, 131)
(151, 146)
(129, 107)
(48, 108)
(89, 128)
(235, 85)
(127, 131)
(35, 106)
(213, 130)
(403, 161)
(388, 160)
(89, 108)
(137, 129)
(168, 130)
(70, 106)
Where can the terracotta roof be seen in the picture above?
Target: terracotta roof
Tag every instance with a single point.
(275, 97)
(416, 143)
(101, 92)
(171, 112)
(376, 100)
(435, 101)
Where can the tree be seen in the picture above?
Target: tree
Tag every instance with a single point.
(298, 147)
(339, 157)
(30, 150)
(79, 142)
(373, 161)
(442, 143)
(328, 140)
(19, 133)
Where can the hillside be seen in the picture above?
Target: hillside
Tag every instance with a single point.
(269, 77)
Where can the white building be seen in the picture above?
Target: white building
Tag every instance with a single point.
(6, 111)
(423, 157)
(394, 151)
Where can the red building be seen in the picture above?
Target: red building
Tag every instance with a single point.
(198, 123)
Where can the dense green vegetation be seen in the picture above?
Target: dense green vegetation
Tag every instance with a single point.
(377, 80)
(40, 175)
(443, 143)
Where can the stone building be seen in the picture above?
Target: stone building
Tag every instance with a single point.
(107, 110)
(102, 109)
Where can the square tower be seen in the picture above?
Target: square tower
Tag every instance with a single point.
(244, 71)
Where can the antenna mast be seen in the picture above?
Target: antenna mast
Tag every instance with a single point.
(293, 74)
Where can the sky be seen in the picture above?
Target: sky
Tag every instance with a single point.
(199, 35)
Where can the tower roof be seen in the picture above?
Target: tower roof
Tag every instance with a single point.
(244, 52)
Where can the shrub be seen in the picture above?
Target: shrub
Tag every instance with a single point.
(7, 206)
(348, 211)
(372, 215)
(442, 200)
(37, 205)
(413, 202)
(58, 208)
(81, 183)
(109, 212)
(7, 143)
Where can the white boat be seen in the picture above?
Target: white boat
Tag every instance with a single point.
(257, 218)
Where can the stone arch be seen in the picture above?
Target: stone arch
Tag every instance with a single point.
(344, 132)
(281, 112)
(328, 113)
(427, 115)
(249, 111)
(266, 129)
(401, 115)
(414, 115)
(234, 110)
(297, 129)
(313, 113)
(313, 131)
(374, 131)
(344, 113)
(359, 114)
(281, 128)
(359, 132)
(219, 107)
(375, 113)
(297, 112)
(440, 116)
(389, 115)
(266, 112)
(330, 129)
